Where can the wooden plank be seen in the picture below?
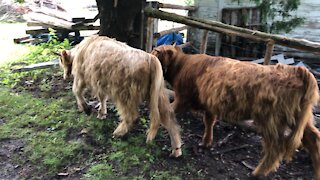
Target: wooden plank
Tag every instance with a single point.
(204, 41)
(268, 54)
(37, 66)
(174, 6)
(216, 26)
(54, 13)
(50, 21)
(92, 20)
(45, 30)
(19, 40)
(161, 33)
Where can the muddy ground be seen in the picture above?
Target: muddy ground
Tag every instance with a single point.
(235, 153)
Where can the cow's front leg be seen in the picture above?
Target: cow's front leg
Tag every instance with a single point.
(209, 121)
(78, 90)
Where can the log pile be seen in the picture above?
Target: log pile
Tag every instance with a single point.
(49, 15)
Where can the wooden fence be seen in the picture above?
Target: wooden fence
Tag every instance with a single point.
(152, 24)
(269, 39)
(236, 46)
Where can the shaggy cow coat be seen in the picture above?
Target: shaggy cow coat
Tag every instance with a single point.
(276, 97)
(125, 75)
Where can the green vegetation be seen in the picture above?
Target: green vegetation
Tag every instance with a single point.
(39, 53)
(189, 2)
(280, 13)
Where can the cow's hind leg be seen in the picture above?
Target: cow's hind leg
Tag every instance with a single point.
(128, 114)
(78, 90)
(311, 141)
(168, 120)
(270, 161)
(209, 122)
(273, 151)
(173, 129)
(102, 111)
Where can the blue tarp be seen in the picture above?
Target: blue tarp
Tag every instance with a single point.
(170, 39)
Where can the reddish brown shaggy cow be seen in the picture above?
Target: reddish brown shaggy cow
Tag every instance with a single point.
(127, 76)
(276, 97)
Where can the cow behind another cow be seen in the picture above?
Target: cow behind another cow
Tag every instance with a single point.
(125, 75)
(276, 97)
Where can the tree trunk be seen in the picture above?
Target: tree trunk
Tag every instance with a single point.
(123, 20)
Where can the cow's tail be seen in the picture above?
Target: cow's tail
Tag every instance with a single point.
(308, 101)
(156, 86)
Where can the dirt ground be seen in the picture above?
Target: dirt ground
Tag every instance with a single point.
(235, 153)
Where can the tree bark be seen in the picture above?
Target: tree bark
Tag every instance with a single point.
(123, 20)
(216, 26)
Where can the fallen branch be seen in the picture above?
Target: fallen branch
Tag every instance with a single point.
(225, 140)
(249, 166)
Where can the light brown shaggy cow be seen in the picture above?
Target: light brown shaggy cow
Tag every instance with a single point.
(276, 97)
(125, 75)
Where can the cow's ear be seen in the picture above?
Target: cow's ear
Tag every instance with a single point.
(65, 57)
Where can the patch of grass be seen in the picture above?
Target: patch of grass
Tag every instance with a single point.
(53, 141)
(45, 126)
(100, 171)
(163, 175)
(133, 151)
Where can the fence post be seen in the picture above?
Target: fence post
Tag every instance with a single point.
(204, 41)
(269, 50)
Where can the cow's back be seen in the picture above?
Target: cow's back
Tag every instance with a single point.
(116, 69)
(236, 90)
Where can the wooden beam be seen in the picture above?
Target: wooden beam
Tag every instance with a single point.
(174, 6)
(216, 26)
(268, 54)
(204, 41)
(149, 40)
(161, 33)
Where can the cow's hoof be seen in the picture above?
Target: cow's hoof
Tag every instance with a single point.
(151, 135)
(205, 145)
(176, 153)
(120, 131)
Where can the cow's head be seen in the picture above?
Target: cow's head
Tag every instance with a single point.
(167, 54)
(66, 63)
